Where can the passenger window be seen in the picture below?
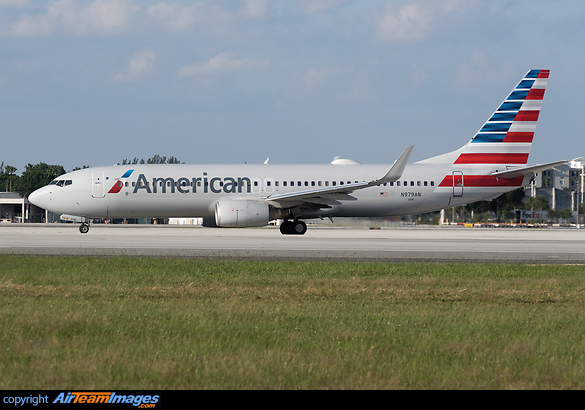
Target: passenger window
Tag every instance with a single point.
(411, 183)
(426, 183)
(326, 183)
(418, 183)
(299, 183)
(306, 183)
(432, 183)
(391, 183)
(397, 183)
(312, 183)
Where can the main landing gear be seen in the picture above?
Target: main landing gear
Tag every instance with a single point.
(295, 227)
(84, 227)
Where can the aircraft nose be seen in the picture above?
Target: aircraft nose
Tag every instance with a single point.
(40, 197)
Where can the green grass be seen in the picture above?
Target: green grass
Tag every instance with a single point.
(128, 323)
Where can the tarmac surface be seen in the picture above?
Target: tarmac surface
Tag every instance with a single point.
(420, 244)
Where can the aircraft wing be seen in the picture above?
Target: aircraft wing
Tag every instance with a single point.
(526, 171)
(327, 196)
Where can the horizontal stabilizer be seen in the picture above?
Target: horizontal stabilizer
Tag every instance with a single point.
(527, 171)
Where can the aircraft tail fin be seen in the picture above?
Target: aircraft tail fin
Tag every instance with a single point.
(506, 137)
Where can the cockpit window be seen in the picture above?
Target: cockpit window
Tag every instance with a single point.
(61, 182)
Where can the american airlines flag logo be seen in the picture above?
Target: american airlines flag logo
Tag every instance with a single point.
(506, 137)
(119, 184)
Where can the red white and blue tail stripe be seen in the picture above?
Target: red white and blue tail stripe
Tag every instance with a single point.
(506, 138)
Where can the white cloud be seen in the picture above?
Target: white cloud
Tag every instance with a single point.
(409, 22)
(414, 20)
(138, 66)
(468, 72)
(254, 8)
(32, 26)
(316, 6)
(17, 4)
(315, 77)
(480, 65)
(174, 16)
(222, 63)
(100, 16)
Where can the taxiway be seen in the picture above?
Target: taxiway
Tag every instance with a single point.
(422, 244)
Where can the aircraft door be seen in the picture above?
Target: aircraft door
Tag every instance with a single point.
(98, 189)
(457, 183)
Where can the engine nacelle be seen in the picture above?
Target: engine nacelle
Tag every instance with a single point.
(240, 213)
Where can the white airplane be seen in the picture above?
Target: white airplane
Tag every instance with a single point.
(491, 163)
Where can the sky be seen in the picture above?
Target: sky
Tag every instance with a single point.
(93, 82)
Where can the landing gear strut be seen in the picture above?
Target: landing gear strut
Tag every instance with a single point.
(84, 227)
(295, 227)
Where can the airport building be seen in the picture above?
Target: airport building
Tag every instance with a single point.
(14, 208)
(562, 186)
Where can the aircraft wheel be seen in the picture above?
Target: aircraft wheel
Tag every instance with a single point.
(300, 228)
(286, 228)
(84, 228)
(293, 228)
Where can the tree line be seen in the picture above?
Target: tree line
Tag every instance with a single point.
(38, 175)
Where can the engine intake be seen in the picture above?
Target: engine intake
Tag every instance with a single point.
(240, 213)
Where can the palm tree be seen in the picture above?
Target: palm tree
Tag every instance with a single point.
(537, 202)
(9, 170)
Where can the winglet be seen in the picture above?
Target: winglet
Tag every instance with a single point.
(397, 169)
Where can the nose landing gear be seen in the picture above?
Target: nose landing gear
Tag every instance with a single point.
(295, 227)
(84, 227)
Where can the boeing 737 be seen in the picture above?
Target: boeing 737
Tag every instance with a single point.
(493, 162)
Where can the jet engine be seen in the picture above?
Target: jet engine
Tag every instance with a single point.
(240, 213)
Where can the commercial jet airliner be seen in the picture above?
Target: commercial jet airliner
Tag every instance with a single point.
(491, 163)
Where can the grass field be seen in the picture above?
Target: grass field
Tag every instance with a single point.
(125, 323)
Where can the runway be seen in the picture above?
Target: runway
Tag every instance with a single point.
(422, 244)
